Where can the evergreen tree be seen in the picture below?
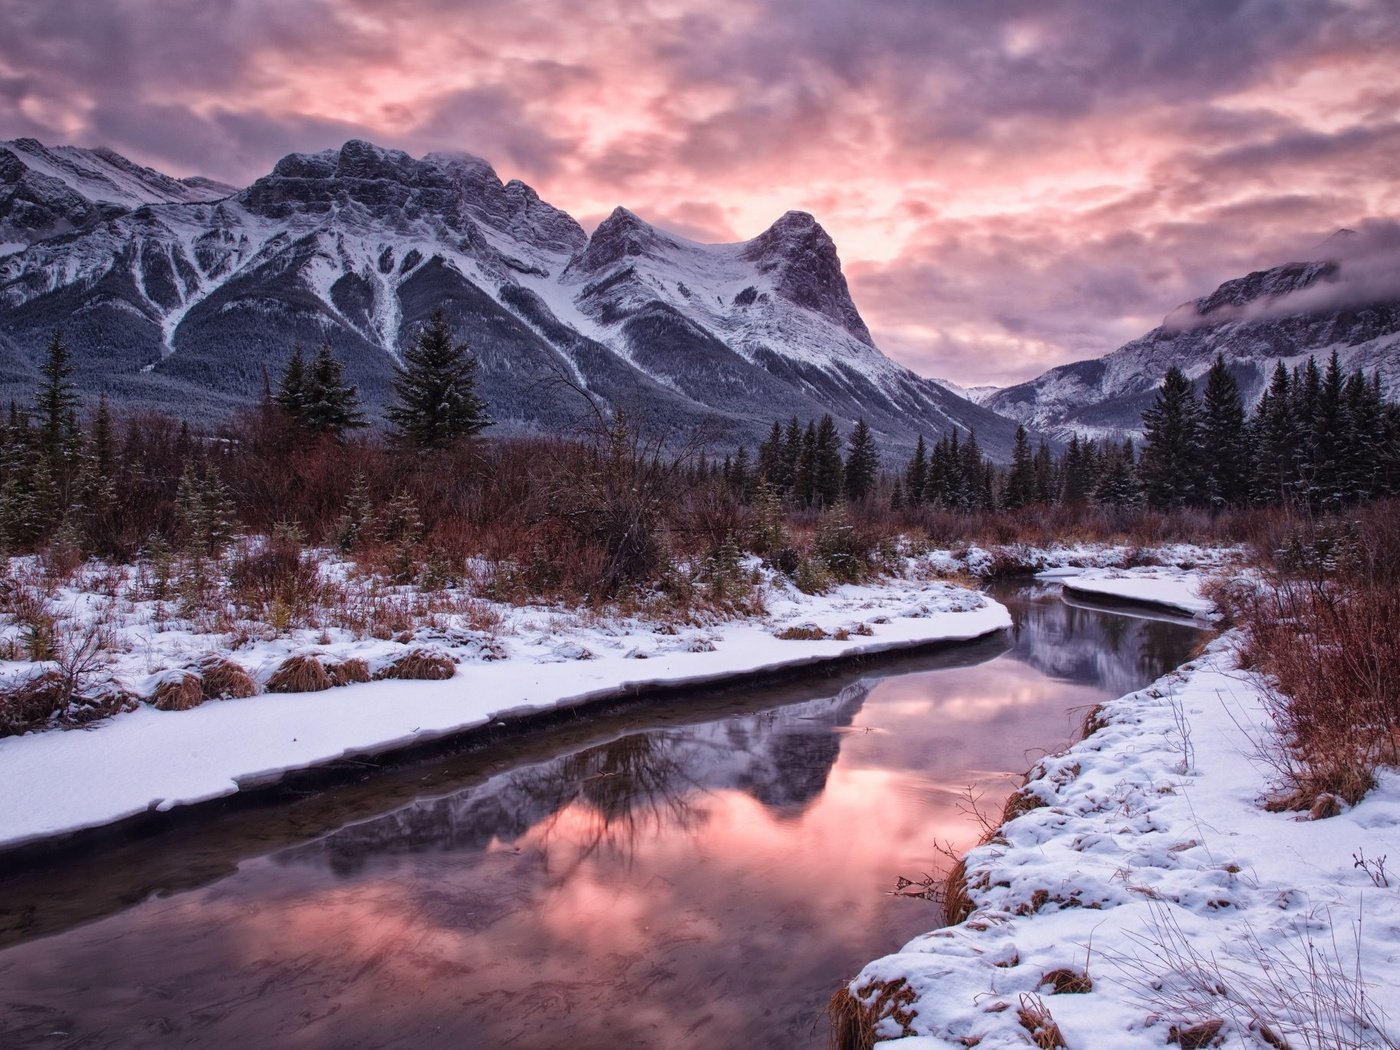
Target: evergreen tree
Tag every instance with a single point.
(1224, 442)
(1275, 441)
(1081, 470)
(435, 389)
(770, 459)
(1325, 486)
(1117, 485)
(291, 387)
(1045, 487)
(792, 459)
(805, 474)
(916, 475)
(1020, 481)
(1171, 454)
(829, 473)
(862, 464)
(330, 406)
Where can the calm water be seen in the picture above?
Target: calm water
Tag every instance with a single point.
(698, 872)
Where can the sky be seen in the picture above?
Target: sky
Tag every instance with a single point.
(1011, 184)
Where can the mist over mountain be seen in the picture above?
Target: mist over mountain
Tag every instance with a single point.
(1346, 299)
(181, 294)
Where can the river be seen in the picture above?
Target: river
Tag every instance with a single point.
(696, 871)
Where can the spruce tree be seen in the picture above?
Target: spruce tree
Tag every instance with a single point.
(1223, 440)
(862, 463)
(916, 475)
(291, 386)
(804, 482)
(1171, 453)
(1020, 481)
(829, 472)
(1275, 441)
(435, 388)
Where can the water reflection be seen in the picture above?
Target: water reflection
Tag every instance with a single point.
(683, 885)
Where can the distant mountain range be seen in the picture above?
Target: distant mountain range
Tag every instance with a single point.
(1346, 300)
(179, 293)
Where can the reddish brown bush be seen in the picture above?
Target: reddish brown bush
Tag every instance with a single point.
(31, 702)
(224, 679)
(419, 665)
(300, 673)
(178, 691)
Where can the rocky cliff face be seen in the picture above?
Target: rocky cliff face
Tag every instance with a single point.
(1285, 313)
(180, 293)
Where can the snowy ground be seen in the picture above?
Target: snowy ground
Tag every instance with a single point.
(54, 782)
(1150, 867)
(1176, 590)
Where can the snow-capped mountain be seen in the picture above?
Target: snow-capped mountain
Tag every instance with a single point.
(180, 293)
(1348, 301)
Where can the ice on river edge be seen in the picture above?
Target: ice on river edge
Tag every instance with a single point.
(1150, 866)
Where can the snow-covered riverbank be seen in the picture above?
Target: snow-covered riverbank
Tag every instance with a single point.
(56, 782)
(1149, 897)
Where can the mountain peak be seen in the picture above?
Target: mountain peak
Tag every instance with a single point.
(801, 257)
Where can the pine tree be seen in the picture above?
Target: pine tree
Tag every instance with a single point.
(792, 459)
(1171, 454)
(435, 389)
(1020, 481)
(1117, 486)
(804, 477)
(829, 472)
(1045, 487)
(1224, 444)
(1275, 440)
(1325, 487)
(770, 459)
(862, 463)
(916, 475)
(291, 387)
(324, 402)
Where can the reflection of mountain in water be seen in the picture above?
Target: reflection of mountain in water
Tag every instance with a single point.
(781, 757)
(1083, 645)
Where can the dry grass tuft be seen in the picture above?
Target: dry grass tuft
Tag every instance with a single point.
(348, 672)
(179, 690)
(1019, 803)
(32, 702)
(300, 673)
(224, 679)
(1035, 1018)
(1197, 1036)
(1067, 981)
(806, 632)
(854, 1019)
(422, 665)
(957, 903)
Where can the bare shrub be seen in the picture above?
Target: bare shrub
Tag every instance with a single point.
(178, 690)
(224, 679)
(31, 702)
(300, 673)
(1324, 634)
(419, 665)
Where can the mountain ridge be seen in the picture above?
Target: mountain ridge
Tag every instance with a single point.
(189, 294)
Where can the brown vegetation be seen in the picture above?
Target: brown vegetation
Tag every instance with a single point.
(300, 673)
(855, 1018)
(178, 691)
(224, 679)
(1324, 633)
(421, 665)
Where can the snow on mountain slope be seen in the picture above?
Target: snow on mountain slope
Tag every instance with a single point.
(1345, 303)
(182, 302)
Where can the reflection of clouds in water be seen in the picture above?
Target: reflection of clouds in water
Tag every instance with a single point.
(694, 886)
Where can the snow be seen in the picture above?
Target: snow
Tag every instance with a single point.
(1152, 866)
(1178, 590)
(536, 659)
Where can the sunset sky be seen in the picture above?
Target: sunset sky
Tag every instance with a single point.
(1012, 184)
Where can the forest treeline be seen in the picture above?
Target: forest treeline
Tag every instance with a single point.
(428, 501)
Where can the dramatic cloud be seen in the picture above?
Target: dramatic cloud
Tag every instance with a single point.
(1011, 184)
